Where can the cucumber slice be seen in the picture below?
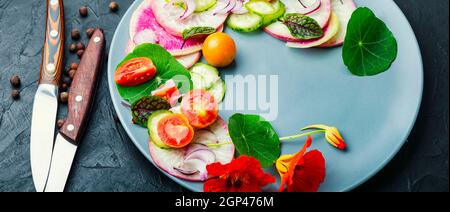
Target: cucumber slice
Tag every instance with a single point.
(280, 9)
(260, 7)
(153, 127)
(203, 5)
(204, 76)
(245, 23)
(218, 90)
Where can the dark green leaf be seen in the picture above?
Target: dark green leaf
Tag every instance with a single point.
(144, 107)
(302, 26)
(254, 136)
(369, 46)
(195, 32)
(167, 68)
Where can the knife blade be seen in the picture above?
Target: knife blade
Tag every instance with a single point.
(45, 104)
(81, 97)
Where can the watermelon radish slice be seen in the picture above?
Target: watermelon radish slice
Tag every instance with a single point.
(343, 9)
(167, 17)
(329, 32)
(189, 163)
(321, 15)
(189, 60)
(144, 19)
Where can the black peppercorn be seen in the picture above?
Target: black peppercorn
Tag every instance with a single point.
(80, 53)
(15, 81)
(64, 87)
(80, 46)
(74, 66)
(60, 123)
(113, 6)
(72, 73)
(90, 32)
(63, 97)
(15, 94)
(66, 80)
(73, 48)
(75, 34)
(83, 11)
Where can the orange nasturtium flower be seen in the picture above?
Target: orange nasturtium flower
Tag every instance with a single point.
(331, 134)
(302, 172)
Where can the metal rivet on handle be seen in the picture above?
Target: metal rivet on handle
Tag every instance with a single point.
(54, 33)
(51, 67)
(78, 98)
(70, 127)
(97, 39)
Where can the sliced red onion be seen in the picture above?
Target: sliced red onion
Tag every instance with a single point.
(191, 167)
(204, 155)
(190, 7)
(240, 9)
(145, 36)
(193, 148)
(229, 5)
(307, 9)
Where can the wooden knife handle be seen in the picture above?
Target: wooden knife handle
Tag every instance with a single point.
(83, 88)
(52, 55)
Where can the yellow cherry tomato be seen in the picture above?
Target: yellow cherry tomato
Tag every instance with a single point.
(219, 49)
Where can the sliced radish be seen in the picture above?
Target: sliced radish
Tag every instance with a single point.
(144, 19)
(206, 156)
(167, 18)
(343, 9)
(189, 163)
(189, 60)
(306, 9)
(321, 15)
(145, 36)
(329, 32)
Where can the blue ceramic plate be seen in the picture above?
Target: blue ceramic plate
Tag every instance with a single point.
(375, 114)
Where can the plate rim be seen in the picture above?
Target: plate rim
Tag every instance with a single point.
(368, 176)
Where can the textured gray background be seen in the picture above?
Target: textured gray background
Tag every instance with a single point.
(108, 161)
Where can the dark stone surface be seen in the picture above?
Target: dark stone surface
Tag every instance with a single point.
(108, 161)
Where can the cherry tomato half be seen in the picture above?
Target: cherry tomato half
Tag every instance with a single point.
(135, 71)
(200, 108)
(174, 131)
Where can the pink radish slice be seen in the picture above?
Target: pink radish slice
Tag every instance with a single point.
(240, 9)
(170, 160)
(307, 9)
(321, 15)
(145, 36)
(343, 9)
(167, 18)
(205, 155)
(329, 32)
(189, 60)
(144, 19)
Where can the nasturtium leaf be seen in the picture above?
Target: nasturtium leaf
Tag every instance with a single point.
(167, 67)
(144, 107)
(254, 136)
(369, 47)
(302, 26)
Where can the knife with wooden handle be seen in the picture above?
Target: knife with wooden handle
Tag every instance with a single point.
(81, 97)
(45, 104)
